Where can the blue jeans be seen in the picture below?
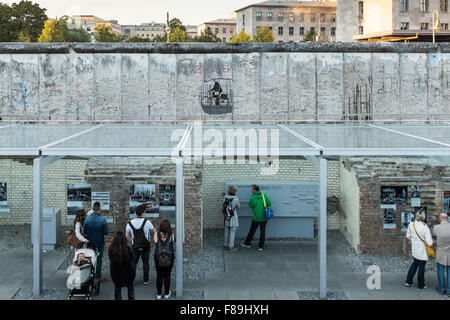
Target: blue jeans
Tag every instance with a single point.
(441, 277)
(421, 275)
(118, 291)
(145, 256)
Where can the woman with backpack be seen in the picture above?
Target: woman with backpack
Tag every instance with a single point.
(164, 257)
(78, 225)
(231, 221)
(121, 266)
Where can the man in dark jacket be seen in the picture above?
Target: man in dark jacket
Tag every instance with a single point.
(96, 228)
(259, 217)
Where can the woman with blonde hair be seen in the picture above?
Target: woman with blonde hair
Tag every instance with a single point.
(418, 232)
(231, 205)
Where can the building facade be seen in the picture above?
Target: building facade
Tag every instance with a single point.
(393, 20)
(291, 20)
(144, 30)
(225, 29)
(87, 22)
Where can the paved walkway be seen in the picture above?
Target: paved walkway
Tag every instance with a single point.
(279, 272)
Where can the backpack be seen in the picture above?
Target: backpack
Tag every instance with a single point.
(164, 253)
(228, 210)
(140, 242)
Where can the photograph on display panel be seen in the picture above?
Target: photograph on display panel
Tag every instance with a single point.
(167, 199)
(407, 218)
(394, 195)
(447, 202)
(4, 206)
(390, 216)
(144, 194)
(78, 195)
(415, 196)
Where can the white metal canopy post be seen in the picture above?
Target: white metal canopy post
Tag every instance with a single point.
(38, 167)
(179, 227)
(323, 227)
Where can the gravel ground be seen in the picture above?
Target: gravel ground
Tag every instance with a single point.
(360, 262)
(314, 295)
(47, 294)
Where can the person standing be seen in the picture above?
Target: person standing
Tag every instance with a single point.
(96, 228)
(231, 220)
(78, 226)
(259, 217)
(442, 234)
(418, 232)
(164, 257)
(121, 266)
(138, 234)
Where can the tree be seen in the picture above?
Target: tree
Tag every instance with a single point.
(79, 35)
(178, 35)
(104, 33)
(7, 32)
(242, 37)
(23, 37)
(28, 18)
(310, 35)
(176, 23)
(264, 34)
(137, 38)
(55, 31)
(160, 38)
(207, 36)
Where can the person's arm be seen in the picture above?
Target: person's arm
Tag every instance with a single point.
(408, 232)
(268, 202)
(434, 231)
(238, 203)
(155, 237)
(78, 233)
(251, 203)
(128, 233)
(105, 228)
(428, 238)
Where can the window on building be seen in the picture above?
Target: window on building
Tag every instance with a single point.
(224, 30)
(270, 16)
(302, 31)
(424, 26)
(404, 5)
(243, 19)
(322, 17)
(360, 10)
(258, 16)
(217, 30)
(313, 17)
(404, 26)
(444, 5)
(333, 18)
(224, 39)
(333, 31)
(444, 26)
(280, 31)
(424, 4)
(322, 31)
(270, 28)
(291, 31)
(361, 30)
(280, 16)
(301, 17)
(291, 17)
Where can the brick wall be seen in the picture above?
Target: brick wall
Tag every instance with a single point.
(216, 175)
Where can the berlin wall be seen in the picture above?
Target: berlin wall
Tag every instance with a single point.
(262, 81)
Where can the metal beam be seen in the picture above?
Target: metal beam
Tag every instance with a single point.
(302, 138)
(52, 144)
(38, 167)
(179, 227)
(322, 228)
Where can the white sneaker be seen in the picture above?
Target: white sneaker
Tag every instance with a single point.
(158, 297)
(168, 295)
(147, 282)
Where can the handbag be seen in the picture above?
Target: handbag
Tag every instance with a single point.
(73, 240)
(431, 251)
(267, 211)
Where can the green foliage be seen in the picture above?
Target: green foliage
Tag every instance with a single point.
(264, 34)
(178, 35)
(79, 35)
(7, 34)
(55, 31)
(104, 33)
(160, 38)
(241, 37)
(310, 35)
(176, 23)
(207, 36)
(137, 38)
(23, 37)
(29, 19)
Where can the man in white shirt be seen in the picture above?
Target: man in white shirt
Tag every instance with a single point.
(138, 234)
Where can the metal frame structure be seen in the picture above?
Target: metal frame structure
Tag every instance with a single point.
(47, 154)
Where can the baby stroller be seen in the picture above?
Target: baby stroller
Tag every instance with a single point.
(81, 281)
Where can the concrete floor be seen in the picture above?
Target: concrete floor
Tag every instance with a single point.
(279, 272)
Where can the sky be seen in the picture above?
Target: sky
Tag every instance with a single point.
(191, 12)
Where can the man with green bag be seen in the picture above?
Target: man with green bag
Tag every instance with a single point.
(258, 202)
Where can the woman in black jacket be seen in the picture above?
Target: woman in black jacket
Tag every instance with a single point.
(121, 266)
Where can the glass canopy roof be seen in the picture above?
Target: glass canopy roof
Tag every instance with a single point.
(127, 139)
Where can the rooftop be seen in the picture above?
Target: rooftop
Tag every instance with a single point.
(294, 4)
